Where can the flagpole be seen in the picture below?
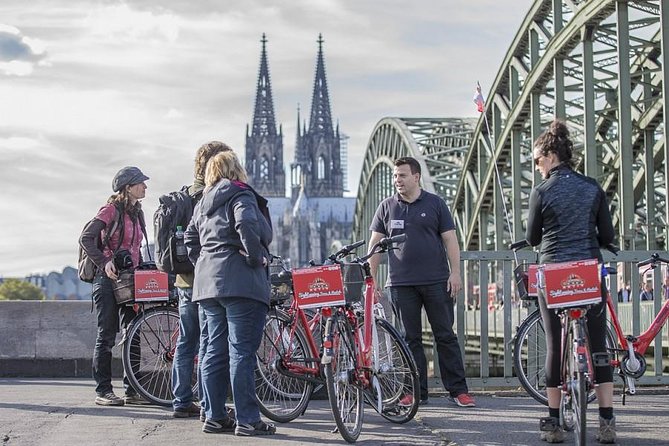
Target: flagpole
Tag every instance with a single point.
(479, 100)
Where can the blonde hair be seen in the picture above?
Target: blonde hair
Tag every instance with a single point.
(224, 165)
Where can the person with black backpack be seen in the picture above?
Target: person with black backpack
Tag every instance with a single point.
(175, 210)
(120, 224)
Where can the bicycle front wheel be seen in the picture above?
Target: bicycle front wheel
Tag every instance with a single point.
(281, 398)
(397, 375)
(344, 394)
(148, 353)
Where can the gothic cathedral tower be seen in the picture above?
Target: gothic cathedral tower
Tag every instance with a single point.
(317, 166)
(264, 146)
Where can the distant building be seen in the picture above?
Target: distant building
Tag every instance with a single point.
(317, 215)
(61, 286)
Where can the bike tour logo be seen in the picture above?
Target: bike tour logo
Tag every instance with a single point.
(572, 281)
(318, 285)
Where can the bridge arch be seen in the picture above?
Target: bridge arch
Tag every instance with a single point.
(439, 145)
(565, 62)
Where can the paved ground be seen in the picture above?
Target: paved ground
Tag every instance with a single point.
(57, 412)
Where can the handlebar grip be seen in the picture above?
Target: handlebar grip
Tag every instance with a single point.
(353, 246)
(399, 238)
(613, 249)
(652, 261)
(519, 244)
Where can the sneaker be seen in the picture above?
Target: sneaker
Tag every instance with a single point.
(229, 410)
(407, 401)
(551, 431)
(607, 430)
(464, 400)
(258, 428)
(217, 427)
(109, 399)
(186, 412)
(134, 398)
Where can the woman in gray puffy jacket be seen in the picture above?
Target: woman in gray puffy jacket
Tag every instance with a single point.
(228, 241)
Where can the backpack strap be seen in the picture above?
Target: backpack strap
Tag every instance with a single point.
(116, 222)
(142, 223)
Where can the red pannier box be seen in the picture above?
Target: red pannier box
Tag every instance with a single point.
(532, 280)
(319, 286)
(572, 284)
(151, 286)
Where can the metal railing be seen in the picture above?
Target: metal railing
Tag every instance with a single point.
(486, 322)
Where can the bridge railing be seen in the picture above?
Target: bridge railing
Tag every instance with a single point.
(488, 313)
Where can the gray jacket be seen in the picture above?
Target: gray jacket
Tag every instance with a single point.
(230, 217)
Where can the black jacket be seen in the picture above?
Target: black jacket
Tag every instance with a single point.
(569, 216)
(230, 217)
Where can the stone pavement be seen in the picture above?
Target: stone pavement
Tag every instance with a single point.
(57, 412)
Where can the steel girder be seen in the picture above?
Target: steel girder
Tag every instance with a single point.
(598, 65)
(439, 145)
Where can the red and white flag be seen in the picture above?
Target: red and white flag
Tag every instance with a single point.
(478, 99)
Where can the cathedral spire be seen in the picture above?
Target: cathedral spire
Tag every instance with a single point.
(264, 147)
(321, 115)
(263, 113)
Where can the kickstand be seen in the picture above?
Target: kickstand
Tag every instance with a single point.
(624, 388)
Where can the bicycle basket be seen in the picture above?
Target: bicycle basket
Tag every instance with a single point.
(281, 285)
(354, 282)
(526, 284)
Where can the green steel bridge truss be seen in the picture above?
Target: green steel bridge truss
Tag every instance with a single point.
(598, 65)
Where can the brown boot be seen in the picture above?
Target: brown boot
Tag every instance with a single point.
(551, 431)
(607, 430)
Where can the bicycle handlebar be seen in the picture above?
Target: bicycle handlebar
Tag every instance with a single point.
(520, 244)
(653, 261)
(387, 242)
(346, 250)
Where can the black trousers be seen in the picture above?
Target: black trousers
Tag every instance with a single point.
(596, 330)
(109, 315)
(408, 302)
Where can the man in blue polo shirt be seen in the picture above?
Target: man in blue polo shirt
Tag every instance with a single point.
(419, 276)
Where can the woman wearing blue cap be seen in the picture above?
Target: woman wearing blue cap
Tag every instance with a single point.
(112, 241)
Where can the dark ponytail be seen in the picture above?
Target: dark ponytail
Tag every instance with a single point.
(556, 139)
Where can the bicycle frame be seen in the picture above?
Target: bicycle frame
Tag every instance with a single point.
(299, 370)
(639, 343)
(574, 319)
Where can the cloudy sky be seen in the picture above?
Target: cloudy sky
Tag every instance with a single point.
(87, 87)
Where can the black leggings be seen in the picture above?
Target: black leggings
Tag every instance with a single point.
(596, 330)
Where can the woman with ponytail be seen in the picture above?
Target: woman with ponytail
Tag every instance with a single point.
(119, 223)
(570, 218)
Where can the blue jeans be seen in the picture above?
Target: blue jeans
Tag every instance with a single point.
(108, 314)
(204, 341)
(186, 350)
(246, 321)
(438, 304)
(215, 363)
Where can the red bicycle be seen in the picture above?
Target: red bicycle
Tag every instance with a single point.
(629, 351)
(360, 356)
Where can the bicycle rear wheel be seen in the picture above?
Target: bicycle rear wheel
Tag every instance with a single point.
(397, 376)
(529, 357)
(148, 353)
(577, 395)
(281, 398)
(345, 395)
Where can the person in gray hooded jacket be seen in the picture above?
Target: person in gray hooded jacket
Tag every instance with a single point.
(227, 241)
